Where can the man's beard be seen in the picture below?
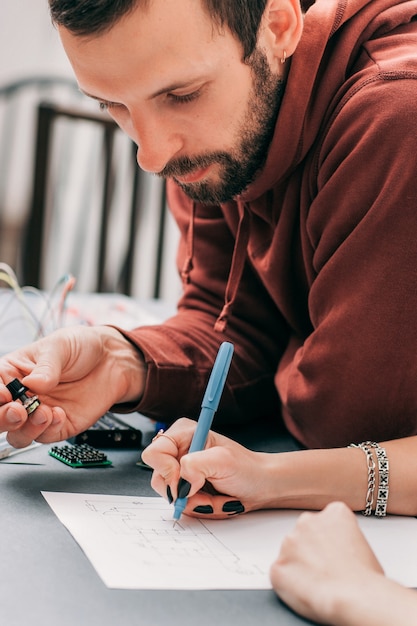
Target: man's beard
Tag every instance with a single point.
(239, 167)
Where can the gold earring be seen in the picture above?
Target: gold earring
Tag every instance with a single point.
(284, 56)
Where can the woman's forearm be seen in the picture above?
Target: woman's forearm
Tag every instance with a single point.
(310, 479)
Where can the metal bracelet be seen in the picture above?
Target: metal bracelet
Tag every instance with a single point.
(371, 475)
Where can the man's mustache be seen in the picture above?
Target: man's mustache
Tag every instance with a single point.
(187, 165)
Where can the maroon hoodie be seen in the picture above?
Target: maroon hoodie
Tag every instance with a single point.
(312, 272)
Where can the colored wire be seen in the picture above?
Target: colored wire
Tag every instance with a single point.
(54, 302)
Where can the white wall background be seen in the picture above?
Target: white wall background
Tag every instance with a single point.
(29, 43)
(30, 46)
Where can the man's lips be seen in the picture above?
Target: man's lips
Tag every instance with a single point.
(193, 177)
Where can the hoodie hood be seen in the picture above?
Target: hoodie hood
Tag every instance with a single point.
(320, 65)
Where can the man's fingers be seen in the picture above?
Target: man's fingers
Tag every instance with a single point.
(56, 430)
(32, 429)
(45, 374)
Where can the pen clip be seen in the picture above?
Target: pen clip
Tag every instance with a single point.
(218, 375)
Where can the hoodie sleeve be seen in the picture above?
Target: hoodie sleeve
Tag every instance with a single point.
(180, 353)
(355, 376)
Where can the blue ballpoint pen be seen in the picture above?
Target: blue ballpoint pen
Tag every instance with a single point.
(209, 406)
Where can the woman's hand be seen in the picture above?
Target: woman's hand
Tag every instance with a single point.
(323, 561)
(77, 373)
(226, 478)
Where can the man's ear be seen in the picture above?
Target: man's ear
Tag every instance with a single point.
(282, 25)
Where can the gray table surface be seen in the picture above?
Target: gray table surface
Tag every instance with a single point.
(47, 580)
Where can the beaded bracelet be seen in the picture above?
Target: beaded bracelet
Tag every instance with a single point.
(383, 477)
(383, 480)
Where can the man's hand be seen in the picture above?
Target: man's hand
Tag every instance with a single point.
(78, 373)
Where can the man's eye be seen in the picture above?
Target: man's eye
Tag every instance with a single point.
(189, 97)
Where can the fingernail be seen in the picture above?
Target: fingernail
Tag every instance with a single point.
(234, 506)
(169, 495)
(183, 488)
(38, 418)
(205, 509)
(13, 418)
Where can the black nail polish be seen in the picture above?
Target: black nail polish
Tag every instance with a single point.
(183, 488)
(234, 506)
(204, 509)
(169, 495)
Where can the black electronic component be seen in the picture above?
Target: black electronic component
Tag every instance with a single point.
(81, 455)
(18, 391)
(109, 432)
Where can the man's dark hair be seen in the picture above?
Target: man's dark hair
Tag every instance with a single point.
(89, 17)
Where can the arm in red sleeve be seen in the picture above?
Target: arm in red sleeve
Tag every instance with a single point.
(354, 378)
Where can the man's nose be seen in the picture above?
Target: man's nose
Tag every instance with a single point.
(157, 145)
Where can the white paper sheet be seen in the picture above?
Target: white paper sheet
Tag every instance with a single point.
(132, 543)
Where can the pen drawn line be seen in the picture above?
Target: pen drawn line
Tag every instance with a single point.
(157, 541)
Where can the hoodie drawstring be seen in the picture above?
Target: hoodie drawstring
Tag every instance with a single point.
(236, 270)
(236, 267)
(188, 263)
